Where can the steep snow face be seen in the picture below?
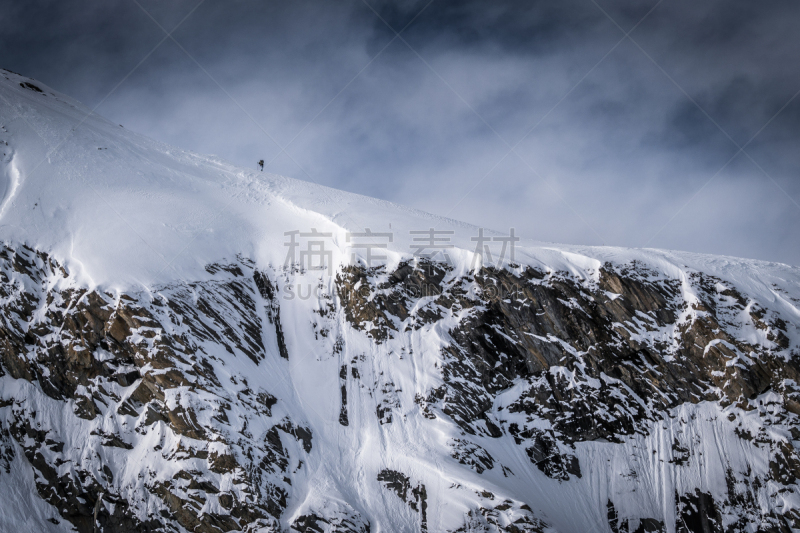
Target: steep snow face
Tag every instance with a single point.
(122, 210)
(172, 359)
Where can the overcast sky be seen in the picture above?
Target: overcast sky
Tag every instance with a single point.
(542, 116)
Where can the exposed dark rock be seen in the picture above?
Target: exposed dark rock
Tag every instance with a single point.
(397, 482)
(639, 525)
(697, 513)
(680, 454)
(268, 292)
(381, 306)
(548, 456)
(343, 419)
(415, 496)
(544, 359)
(339, 519)
(134, 355)
(32, 87)
(506, 517)
(785, 465)
(472, 455)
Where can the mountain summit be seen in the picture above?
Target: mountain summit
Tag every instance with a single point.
(190, 346)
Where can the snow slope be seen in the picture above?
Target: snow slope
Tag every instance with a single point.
(125, 210)
(124, 214)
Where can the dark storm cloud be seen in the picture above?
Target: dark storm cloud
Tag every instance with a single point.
(518, 27)
(72, 43)
(617, 152)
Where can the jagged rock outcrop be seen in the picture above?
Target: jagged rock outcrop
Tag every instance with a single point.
(541, 360)
(143, 376)
(598, 359)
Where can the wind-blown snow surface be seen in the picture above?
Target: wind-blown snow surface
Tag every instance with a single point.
(123, 210)
(126, 215)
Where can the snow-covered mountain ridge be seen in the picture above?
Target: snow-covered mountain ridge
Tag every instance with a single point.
(169, 363)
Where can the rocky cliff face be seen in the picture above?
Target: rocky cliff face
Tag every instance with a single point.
(165, 365)
(645, 402)
(137, 411)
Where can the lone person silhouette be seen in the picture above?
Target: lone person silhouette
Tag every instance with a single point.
(261, 165)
